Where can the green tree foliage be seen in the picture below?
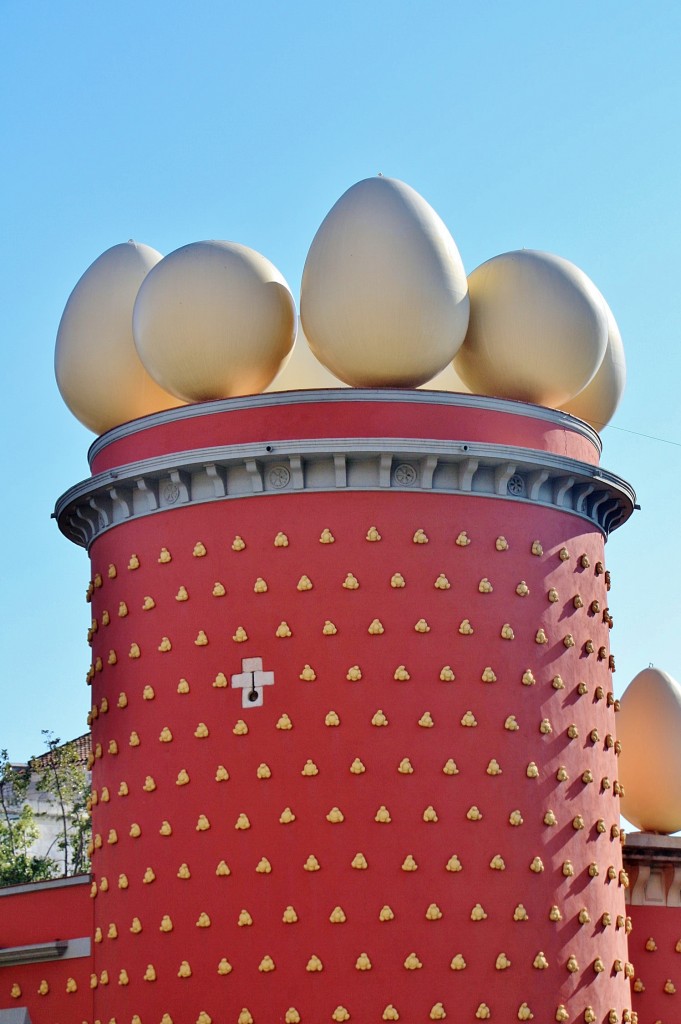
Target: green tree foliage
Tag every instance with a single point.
(61, 774)
(18, 829)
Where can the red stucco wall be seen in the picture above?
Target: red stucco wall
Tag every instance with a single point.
(657, 963)
(43, 915)
(360, 893)
(325, 418)
(158, 718)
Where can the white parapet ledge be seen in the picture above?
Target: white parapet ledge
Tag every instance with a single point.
(15, 1015)
(52, 883)
(39, 952)
(640, 842)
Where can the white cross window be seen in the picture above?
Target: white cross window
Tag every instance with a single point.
(251, 681)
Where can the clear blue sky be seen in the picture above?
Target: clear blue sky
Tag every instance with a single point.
(550, 126)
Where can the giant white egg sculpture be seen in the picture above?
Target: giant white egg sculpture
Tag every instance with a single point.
(99, 373)
(649, 726)
(384, 299)
(214, 320)
(537, 332)
(598, 401)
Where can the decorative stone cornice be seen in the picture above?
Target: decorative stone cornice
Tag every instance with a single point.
(254, 470)
(653, 863)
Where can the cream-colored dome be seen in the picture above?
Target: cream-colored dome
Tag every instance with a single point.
(214, 320)
(447, 380)
(649, 726)
(598, 401)
(99, 373)
(384, 300)
(537, 332)
(302, 371)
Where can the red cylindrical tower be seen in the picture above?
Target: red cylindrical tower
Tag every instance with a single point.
(352, 720)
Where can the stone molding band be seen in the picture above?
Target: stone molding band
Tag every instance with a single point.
(342, 464)
(654, 885)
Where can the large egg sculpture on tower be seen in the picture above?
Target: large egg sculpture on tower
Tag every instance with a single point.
(384, 298)
(214, 320)
(538, 329)
(649, 728)
(98, 370)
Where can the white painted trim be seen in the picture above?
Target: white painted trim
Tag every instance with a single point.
(38, 952)
(15, 1015)
(53, 883)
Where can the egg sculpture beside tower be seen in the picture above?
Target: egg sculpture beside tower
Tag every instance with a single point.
(650, 729)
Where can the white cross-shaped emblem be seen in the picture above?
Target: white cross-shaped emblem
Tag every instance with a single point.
(251, 681)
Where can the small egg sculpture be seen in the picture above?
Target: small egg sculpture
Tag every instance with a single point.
(384, 301)
(598, 401)
(538, 329)
(217, 319)
(99, 373)
(650, 764)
